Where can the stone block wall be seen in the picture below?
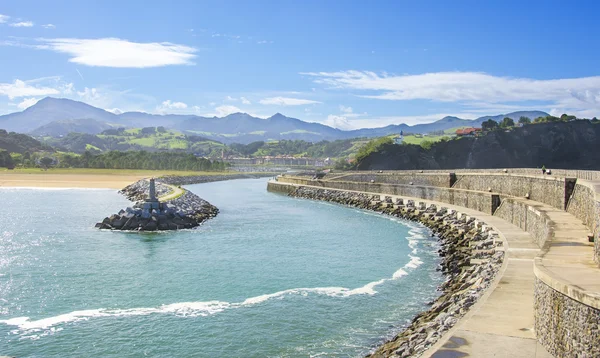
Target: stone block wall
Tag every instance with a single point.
(545, 189)
(441, 180)
(528, 218)
(566, 327)
(584, 206)
(484, 202)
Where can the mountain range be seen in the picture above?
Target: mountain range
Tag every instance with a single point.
(59, 116)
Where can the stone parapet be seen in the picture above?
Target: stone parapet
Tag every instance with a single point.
(566, 327)
(480, 201)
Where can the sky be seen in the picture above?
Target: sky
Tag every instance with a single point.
(347, 64)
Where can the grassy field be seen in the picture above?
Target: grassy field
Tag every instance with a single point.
(412, 139)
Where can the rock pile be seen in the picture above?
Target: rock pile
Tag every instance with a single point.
(471, 256)
(185, 212)
(197, 179)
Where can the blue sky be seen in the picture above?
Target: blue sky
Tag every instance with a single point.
(347, 64)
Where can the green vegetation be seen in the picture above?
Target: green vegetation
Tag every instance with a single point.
(374, 145)
(489, 125)
(20, 143)
(298, 148)
(148, 138)
(140, 160)
(116, 160)
(562, 118)
(507, 123)
(418, 139)
(524, 121)
(6, 159)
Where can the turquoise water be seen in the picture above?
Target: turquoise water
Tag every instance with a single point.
(270, 276)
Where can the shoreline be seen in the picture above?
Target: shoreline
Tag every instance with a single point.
(100, 180)
(472, 255)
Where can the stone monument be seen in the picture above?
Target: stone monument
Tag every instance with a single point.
(152, 202)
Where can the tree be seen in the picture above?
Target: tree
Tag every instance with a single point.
(46, 162)
(566, 118)
(524, 120)
(507, 122)
(489, 125)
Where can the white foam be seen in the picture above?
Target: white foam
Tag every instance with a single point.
(399, 274)
(414, 262)
(201, 308)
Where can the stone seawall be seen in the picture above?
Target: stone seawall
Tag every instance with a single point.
(545, 189)
(198, 179)
(566, 327)
(440, 180)
(567, 302)
(480, 201)
(528, 218)
(471, 256)
(585, 206)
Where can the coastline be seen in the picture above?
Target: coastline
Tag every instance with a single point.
(472, 253)
(105, 180)
(63, 180)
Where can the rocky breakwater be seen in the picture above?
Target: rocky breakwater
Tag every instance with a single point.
(185, 211)
(471, 255)
(197, 179)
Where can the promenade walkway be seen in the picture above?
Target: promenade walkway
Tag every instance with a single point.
(501, 324)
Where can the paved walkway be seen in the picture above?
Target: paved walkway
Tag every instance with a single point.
(501, 323)
(175, 193)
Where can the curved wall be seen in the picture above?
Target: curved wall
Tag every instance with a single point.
(567, 318)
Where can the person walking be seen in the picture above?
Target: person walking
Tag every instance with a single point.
(543, 169)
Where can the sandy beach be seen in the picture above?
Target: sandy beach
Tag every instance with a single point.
(64, 180)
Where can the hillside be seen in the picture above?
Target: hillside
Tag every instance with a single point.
(20, 143)
(64, 126)
(56, 117)
(148, 138)
(566, 145)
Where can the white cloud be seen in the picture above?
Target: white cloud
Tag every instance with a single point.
(286, 101)
(339, 122)
(49, 26)
(168, 105)
(28, 102)
(572, 94)
(89, 94)
(4, 18)
(25, 89)
(245, 100)
(114, 52)
(229, 98)
(22, 24)
(223, 111)
(68, 88)
(114, 110)
(345, 109)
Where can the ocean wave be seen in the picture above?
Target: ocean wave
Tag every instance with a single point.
(203, 308)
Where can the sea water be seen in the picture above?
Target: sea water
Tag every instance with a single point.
(270, 276)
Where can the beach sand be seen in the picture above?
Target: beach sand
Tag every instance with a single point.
(64, 180)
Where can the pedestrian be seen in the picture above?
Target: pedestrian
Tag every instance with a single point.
(543, 169)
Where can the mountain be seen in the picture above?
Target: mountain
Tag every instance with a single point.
(52, 109)
(52, 116)
(64, 126)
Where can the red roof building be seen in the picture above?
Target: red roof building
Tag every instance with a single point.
(467, 131)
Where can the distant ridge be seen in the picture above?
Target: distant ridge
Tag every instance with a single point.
(59, 116)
